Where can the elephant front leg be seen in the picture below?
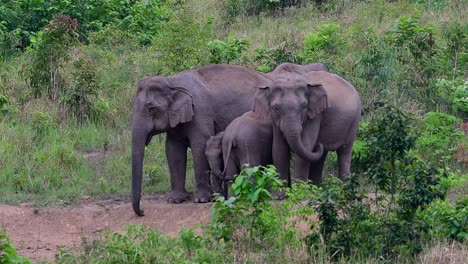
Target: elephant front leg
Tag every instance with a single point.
(176, 153)
(281, 155)
(202, 174)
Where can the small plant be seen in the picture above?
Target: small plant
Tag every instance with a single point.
(226, 52)
(327, 41)
(82, 94)
(439, 137)
(251, 192)
(41, 124)
(418, 38)
(8, 251)
(5, 108)
(455, 94)
(269, 58)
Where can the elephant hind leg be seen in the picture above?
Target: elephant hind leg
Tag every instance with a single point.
(316, 169)
(344, 161)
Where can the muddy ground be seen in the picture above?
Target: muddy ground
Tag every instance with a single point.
(38, 232)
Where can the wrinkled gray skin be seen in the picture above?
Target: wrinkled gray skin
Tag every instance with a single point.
(246, 140)
(285, 70)
(316, 107)
(189, 107)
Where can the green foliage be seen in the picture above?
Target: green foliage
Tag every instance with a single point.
(83, 91)
(376, 62)
(251, 192)
(390, 230)
(5, 106)
(254, 7)
(447, 220)
(269, 58)
(417, 38)
(226, 52)
(453, 58)
(49, 53)
(455, 94)
(182, 42)
(438, 137)
(24, 18)
(8, 253)
(139, 244)
(388, 137)
(325, 42)
(146, 18)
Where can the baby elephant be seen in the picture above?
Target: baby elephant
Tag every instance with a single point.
(246, 140)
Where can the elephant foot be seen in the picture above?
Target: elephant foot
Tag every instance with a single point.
(202, 196)
(177, 197)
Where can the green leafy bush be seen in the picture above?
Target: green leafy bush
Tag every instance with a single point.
(49, 53)
(447, 220)
(251, 194)
(182, 42)
(8, 251)
(139, 244)
(254, 7)
(269, 58)
(83, 91)
(438, 137)
(455, 94)
(376, 63)
(326, 42)
(417, 38)
(226, 52)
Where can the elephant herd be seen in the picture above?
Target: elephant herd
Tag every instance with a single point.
(230, 115)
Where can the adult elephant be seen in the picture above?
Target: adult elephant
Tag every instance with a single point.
(316, 107)
(189, 107)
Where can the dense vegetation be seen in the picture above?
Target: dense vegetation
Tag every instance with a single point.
(68, 71)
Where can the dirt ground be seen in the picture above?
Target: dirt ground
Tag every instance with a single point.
(38, 232)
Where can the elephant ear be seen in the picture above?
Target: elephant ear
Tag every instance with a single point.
(181, 108)
(318, 100)
(260, 102)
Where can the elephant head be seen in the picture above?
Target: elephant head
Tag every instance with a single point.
(291, 103)
(157, 108)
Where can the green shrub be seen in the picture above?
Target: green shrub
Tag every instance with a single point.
(445, 219)
(182, 42)
(323, 44)
(454, 57)
(226, 52)
(254, 7)
(417, 38)
(376, 63)
(438, 137)
(8, 251)
(455, 94)
(251, 192)
(269, 58)
(83, 90)
(138, 244)
(49, 53)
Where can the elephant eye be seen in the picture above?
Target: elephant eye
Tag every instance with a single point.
(303, 106)
(152, 109)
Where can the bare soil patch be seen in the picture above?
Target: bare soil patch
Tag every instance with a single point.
(38, 232)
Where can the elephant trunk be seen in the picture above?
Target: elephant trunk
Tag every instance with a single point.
(138, 152)
(292, 135)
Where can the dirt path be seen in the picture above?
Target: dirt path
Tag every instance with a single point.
(38, 232)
